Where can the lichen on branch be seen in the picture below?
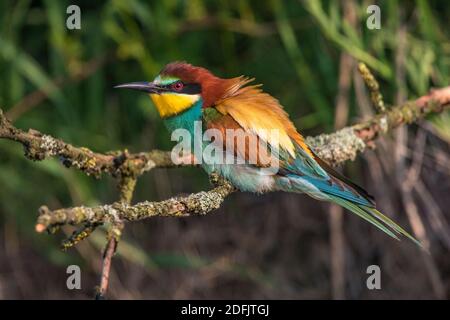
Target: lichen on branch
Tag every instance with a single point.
(38, 146)
(334, 148)
(194, 204)
(346, 143)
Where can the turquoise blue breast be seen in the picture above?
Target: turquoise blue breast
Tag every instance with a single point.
(186, 119)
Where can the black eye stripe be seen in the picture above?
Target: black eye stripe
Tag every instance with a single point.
(189, 88)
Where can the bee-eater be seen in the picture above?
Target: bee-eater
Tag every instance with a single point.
(185, 94)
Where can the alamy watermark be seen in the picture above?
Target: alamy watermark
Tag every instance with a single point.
(74, 279)
(373, 282)
(229, 146)
(374, 20)
(73, 21)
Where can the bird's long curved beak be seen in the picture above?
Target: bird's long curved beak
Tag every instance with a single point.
(149, 87)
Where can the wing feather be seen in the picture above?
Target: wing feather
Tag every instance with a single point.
(258, 113)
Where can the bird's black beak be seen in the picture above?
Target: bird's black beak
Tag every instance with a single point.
(149, 87)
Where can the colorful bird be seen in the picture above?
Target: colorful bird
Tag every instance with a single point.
(185, 94)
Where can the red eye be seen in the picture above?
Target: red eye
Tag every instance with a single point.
(177, 86)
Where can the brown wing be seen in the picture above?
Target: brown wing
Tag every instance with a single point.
(243, 144)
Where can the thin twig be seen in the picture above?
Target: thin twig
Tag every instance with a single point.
(110, 249)
(126, 190)
(79, 235)
(373, 86)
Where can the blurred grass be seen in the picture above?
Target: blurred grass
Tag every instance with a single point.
(292, 47)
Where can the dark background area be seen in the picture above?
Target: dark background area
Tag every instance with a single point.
(278, 246)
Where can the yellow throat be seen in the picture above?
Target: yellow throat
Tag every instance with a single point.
(170, 104)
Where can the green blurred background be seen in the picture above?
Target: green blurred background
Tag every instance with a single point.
(60, 82)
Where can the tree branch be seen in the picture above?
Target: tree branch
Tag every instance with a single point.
(334, 148)
(40, 146)
(346, 143)
(195, 204)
